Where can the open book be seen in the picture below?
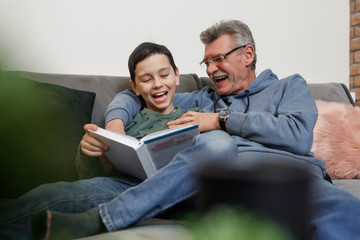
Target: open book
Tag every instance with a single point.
(142, 158)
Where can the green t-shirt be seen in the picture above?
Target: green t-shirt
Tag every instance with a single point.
(148, 121)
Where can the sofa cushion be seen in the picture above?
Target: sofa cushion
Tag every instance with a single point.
(336, 139)
(41, 127)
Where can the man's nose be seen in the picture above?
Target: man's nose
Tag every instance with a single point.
(211, 68)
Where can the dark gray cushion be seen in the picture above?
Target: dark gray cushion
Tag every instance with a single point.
(41, 126)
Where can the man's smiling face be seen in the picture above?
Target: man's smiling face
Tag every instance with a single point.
(231, 76)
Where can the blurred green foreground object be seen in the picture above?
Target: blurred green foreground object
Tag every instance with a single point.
(41, 126)
(227, 223)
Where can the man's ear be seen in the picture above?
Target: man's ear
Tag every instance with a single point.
(133, 85)
(177, 76)
(249, 53)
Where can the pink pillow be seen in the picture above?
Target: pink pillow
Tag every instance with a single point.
(337, 139)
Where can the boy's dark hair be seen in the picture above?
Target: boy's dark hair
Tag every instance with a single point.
(145, 50)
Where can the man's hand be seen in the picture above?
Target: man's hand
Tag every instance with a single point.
(206, 121)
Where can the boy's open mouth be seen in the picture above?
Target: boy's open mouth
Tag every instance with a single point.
(160, 95)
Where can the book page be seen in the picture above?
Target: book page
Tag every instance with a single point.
(163, 149)
(117, 137)
(167, 132)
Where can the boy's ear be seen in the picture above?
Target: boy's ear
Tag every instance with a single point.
(133, 85)
(177, 76)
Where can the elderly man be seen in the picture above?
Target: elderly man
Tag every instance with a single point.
(268, 119)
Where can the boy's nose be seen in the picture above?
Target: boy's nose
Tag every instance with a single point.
(157, 83)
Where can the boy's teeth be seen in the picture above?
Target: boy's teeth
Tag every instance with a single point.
(159, 94)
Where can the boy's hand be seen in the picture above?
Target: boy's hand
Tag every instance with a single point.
(206, 121)
(91, 146)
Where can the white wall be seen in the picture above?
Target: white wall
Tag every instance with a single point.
(310, 37)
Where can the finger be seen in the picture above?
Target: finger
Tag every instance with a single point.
(90, 126)
(92, 147)
(87, 138)
(90, 150)
(91, 153)
(184, 119)
(181, 125)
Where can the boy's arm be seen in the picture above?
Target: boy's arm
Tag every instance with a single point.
(88, 167)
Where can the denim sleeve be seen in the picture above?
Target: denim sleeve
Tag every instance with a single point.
(202, 99)
(124, 106)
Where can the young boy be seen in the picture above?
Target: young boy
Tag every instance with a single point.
(154, 77)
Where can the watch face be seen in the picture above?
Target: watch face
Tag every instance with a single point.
(224, 113)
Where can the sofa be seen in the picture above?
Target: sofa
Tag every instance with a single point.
(39, 107)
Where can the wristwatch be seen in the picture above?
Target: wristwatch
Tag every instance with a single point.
(223, 116)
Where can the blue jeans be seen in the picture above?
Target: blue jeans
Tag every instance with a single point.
(127, 201)
(336, 213)
(124, 201)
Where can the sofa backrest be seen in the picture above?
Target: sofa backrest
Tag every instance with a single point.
(106, 87)
(331, 92)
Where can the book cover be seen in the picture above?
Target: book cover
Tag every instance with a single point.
(143, 158)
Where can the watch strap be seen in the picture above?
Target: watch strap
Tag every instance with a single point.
(222, 124)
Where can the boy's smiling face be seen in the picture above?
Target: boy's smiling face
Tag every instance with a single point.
(155, 81)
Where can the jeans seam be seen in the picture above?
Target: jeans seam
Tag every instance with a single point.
(106, 218)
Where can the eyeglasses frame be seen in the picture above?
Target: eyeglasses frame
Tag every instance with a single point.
(220, 57)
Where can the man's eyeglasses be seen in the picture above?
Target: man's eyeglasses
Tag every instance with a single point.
(219, 58)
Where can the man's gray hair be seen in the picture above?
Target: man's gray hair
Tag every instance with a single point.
(237, 29)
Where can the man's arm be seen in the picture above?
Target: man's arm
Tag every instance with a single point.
(124, 106)
(290, 128)
(201, 98)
